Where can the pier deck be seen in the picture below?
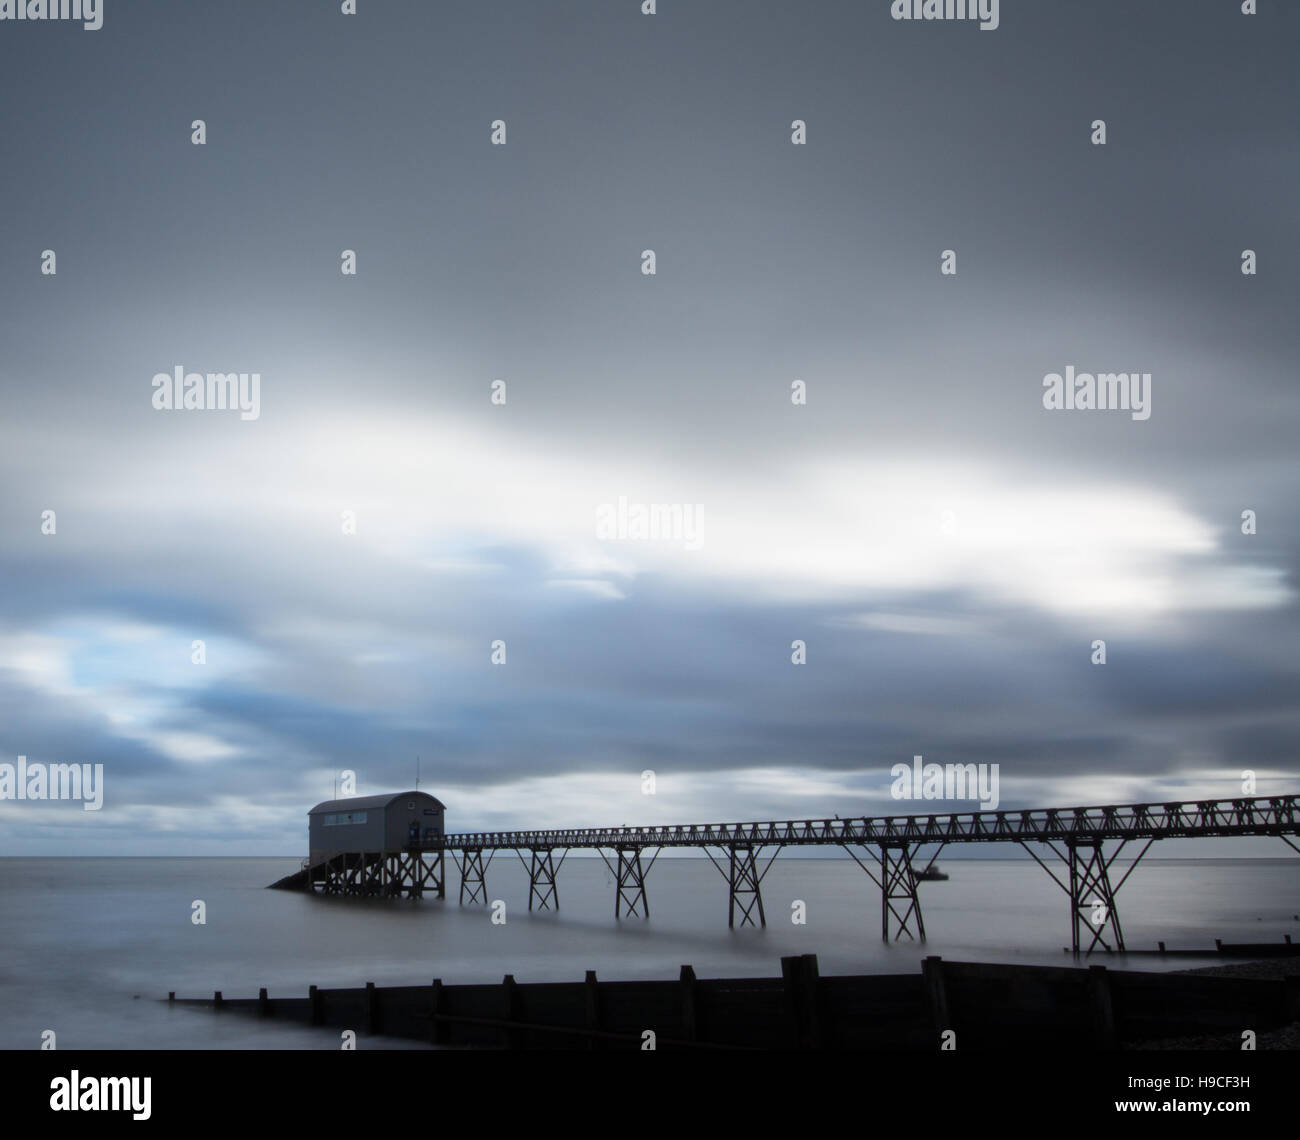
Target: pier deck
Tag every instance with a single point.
(887, 848)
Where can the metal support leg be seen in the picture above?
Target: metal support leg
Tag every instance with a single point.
(630, 891)
(744, 882)
(473, 876)
(428, 874)
(898, 889)
(1091, 898)
(541, 879)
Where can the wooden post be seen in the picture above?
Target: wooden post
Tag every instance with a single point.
(437, 1005)
(171, 997)
(690, 1027)
(593, 1008)
(263, 1003)
(810, 980)
(216, 999)
(790, 969)
(510, 1002)
(1291, 997)
(936, 996)
(317, 1005)
(373, 1019)
(799, 973)
(1103, 1011)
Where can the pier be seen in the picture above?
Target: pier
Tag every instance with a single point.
(1077, 846)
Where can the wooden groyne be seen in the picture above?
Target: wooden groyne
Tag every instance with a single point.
(965, 1005)
(1252, 950)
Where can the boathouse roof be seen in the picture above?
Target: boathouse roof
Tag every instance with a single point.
(363, 803)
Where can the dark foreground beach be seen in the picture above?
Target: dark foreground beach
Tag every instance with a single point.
(1287, 1037)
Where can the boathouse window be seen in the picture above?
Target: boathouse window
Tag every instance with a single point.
(345, 818)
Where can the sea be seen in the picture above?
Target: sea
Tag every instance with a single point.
(91, 947)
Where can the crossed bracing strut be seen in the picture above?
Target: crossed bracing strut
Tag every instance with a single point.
(542, 870)
(744, 877)
(897, 882)
(629, 880)
(1092, 898)
(473, 873)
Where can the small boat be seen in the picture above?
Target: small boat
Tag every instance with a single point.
(931, 874)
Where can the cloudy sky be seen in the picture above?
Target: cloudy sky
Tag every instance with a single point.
(947, 549)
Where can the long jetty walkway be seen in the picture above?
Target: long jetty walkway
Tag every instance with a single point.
(887, 848)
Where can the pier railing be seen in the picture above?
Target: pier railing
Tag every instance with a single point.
(1271, 815)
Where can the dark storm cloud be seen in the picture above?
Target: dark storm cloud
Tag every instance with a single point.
(521, 262)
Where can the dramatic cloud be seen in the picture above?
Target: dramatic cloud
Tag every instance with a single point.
(947, 550)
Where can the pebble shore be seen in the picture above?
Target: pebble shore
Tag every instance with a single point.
(1288, 1037)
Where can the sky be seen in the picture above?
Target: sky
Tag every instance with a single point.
(947, 549)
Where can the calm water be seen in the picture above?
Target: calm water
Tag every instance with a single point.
(89, 944)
